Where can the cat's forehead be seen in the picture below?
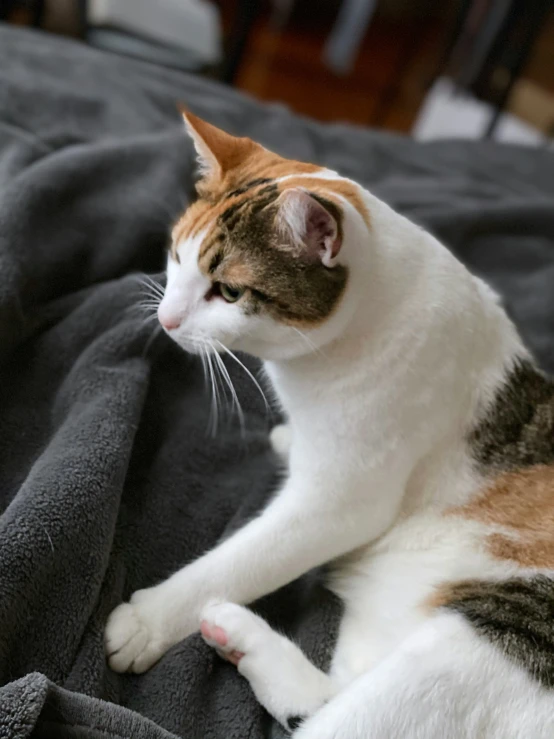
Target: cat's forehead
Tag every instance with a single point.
(219, 195)
(233, 228)
(240, 201)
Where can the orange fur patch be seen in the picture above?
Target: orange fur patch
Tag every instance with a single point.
(239, 273)
(441, 596)
(523, 503)
(203, 212)
(234, 162)
(235, 212)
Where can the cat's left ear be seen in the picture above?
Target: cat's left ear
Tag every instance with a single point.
(218, 151)
(314, 231)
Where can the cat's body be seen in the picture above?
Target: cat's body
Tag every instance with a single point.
(421, 464)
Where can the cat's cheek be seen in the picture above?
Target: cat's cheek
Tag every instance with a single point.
(220, 322)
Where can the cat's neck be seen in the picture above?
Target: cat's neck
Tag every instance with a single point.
(391, 273)
(416, 307)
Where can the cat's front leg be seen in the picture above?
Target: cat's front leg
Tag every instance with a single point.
(314, 519)
(268, 552)
(139, 632)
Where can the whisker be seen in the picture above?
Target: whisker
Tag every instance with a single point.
(148, 278)
(235, 400)
(204, 367)
(146, 314)
(214, 417)
(152, 288)
(150, 318)
(245, 368)
(151, 339)
(152, 305)
(309, 343)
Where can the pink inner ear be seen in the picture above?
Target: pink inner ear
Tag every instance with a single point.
(311, 226)
(322, 238)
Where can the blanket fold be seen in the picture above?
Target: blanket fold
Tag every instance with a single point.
(109, 478)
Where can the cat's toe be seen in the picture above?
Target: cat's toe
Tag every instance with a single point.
(232, 630)
(129, 640)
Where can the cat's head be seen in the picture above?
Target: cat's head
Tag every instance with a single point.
(261, 261)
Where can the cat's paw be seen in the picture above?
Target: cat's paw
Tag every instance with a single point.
(137, 633)
(281, 438)
(233, 631)
(282, 678)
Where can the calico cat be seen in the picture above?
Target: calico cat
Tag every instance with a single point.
(420, 450)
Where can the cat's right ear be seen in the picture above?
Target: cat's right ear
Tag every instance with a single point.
(218, 152)
(311, 229)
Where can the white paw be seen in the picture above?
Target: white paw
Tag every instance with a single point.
(281, 439)
(135, 637)
(233, 631)
(282, 678)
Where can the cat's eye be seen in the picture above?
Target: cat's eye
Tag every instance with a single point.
(230, 294)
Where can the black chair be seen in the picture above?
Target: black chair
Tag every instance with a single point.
(489, 47)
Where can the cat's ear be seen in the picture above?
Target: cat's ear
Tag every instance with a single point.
(218, 152)
(314, 231)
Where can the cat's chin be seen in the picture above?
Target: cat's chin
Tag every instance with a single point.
(263, 350)
(194, 346)
(203, 345)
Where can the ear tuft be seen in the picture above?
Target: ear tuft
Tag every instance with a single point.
(218, 151)
(310, 225)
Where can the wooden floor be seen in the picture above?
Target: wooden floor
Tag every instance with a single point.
(390, 78)
(385, 88)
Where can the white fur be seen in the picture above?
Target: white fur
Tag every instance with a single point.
(380, 398)
(440, 682)
(285, 682)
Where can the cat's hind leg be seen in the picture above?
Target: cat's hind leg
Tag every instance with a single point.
(284, 681)
(444, 681)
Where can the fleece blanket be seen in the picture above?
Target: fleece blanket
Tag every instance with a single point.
(109, 479)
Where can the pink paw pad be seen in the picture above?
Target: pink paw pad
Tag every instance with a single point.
(213, 633)
(216, 635)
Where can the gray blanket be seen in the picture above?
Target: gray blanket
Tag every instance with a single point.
(109, 480)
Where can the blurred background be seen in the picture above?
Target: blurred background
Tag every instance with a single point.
(431, 68)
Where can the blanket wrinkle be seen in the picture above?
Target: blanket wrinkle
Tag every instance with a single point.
(109, 480)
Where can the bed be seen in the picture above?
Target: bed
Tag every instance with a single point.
(108, 478)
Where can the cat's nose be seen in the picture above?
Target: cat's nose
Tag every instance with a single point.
(168, 318)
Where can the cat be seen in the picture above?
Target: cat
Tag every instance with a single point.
(420, 452)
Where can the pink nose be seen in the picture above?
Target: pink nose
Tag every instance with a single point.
(167, 319)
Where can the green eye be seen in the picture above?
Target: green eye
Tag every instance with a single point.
(230, 294)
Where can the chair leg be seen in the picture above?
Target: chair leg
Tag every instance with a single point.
(38, 13)
(246, 14)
